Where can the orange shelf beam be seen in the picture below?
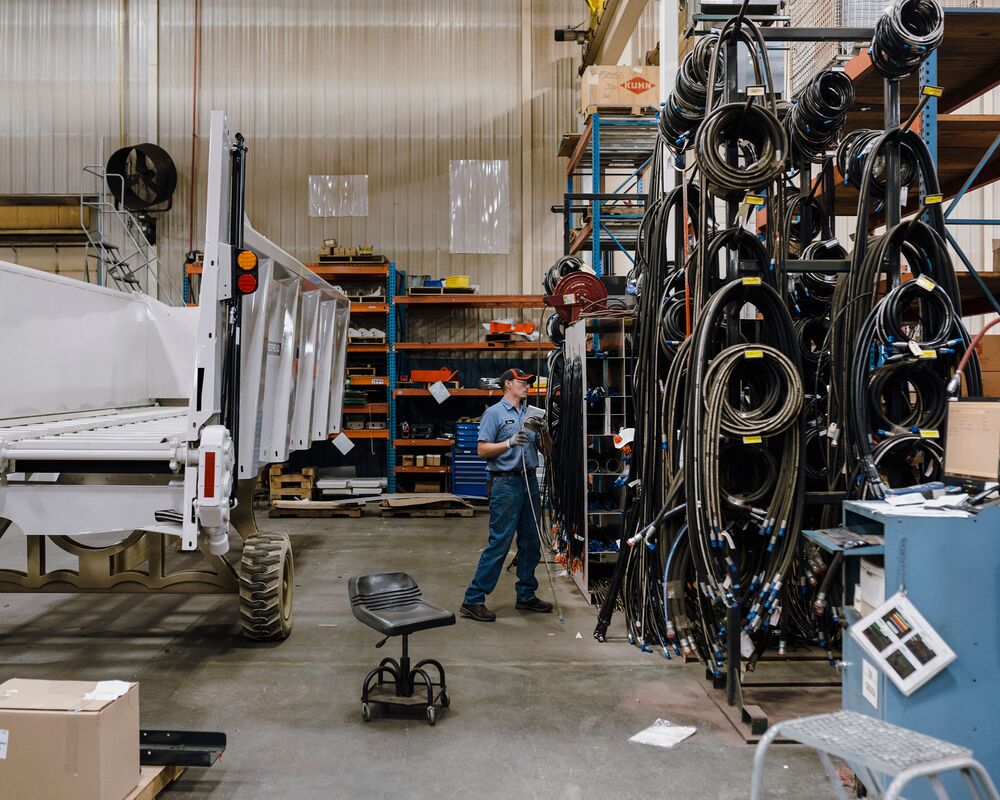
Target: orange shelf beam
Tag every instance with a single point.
(426, 470)
(473, 300)
(530, 346)
(424, 442)
(368, 408)
(367, 348)
(359, 271)
(366, 434)
(460, 392)
(369, 308)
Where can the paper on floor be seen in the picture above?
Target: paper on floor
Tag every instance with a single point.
(663, 733)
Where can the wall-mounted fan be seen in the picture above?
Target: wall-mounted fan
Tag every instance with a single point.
(142, 177)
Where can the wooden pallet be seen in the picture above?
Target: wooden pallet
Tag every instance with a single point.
(428, 512)
(153, 780)
(284, 469)
(312, 509)
(437, 290)
(635, 111)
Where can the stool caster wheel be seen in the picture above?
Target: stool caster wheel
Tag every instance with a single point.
(445, 700)
(366, 712)
(431, 715)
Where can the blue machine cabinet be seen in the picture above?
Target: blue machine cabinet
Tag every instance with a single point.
(950, 569)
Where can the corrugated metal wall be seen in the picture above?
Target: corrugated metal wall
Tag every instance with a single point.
(390, 89)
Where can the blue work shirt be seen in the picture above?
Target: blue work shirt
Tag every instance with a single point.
(498, 424)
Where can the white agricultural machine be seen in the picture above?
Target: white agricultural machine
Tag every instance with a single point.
(132, 431)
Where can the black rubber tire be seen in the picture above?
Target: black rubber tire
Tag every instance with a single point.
(366, 712)
(267, 587)
(431, 715)
(445, 699)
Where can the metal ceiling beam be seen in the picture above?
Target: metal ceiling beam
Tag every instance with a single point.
(616, 26)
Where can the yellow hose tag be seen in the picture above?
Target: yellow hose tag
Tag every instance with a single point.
(753, 354)
(752, 280)
(753, 439)
(932, 91)
(929, 434)
(928, 354)
(754, 200)
(926, 283)
(933, 199)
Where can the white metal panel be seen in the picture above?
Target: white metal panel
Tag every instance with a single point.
(170, 350)
(69, 346)
(279, 375)
(305, 380)
(253, 356)
(340, 331)
(39, 509)
(324, 369)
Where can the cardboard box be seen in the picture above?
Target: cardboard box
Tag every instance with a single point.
(996, 255)
(988, 351)
(68, 739)
(620, 87)
(407, 460)
(418, 461)
(426, 487)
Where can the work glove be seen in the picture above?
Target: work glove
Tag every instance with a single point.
(519, 439)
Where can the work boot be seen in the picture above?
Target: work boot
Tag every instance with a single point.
(534, 604)
(479, 613)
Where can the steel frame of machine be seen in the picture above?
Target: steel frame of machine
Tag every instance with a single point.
(132, 420)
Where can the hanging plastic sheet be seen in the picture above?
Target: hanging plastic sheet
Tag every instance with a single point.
(338, 195)
(479, 195)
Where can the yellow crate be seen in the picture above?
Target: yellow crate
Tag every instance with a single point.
(458, 282)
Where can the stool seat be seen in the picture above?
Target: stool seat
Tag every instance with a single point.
(392, 604)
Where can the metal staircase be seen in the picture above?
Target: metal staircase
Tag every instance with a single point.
(117, 244)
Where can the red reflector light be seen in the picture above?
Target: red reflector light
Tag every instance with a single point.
(247, 283)
(209, 474)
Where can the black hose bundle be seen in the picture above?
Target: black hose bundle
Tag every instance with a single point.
(853, 155)
(796, 206)
(568, 490)
(814, 122)
(684, 108)
(905, 36)
(755, 130)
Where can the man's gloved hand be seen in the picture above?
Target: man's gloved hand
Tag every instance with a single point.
(519, 439)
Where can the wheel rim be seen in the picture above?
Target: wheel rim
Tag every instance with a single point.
(287, 580)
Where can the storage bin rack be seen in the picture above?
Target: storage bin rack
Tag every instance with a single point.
(468, 471)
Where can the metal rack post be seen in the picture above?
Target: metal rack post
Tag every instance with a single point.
(390, 326)
(595, 187)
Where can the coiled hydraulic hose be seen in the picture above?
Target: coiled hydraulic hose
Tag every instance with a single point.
(905, 36)
(815, 121)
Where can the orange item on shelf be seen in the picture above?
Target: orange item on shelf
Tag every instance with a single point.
(526, 328)
(432, 375)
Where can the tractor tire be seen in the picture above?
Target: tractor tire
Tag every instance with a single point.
(267, 587)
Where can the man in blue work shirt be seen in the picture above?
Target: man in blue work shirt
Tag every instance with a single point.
(511, 453)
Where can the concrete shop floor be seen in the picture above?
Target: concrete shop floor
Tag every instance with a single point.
(536, 711)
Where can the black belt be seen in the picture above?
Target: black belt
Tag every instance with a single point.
(495, 472)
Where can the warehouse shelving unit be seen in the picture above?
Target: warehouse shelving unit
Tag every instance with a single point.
(369, 270)
(414, 394)
(603, 417)
(611, 146)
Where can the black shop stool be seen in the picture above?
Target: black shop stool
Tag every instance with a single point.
(392, 604)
